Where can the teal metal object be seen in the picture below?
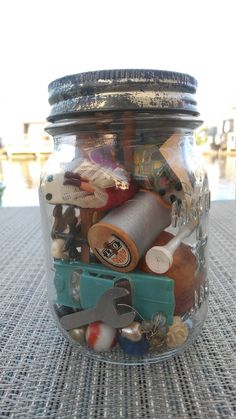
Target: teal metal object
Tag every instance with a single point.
(151, 294)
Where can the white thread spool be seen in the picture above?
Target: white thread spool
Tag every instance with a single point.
(123, 236)
(160, 258)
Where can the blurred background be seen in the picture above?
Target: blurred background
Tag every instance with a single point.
(41, 41)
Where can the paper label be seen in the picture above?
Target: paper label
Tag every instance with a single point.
(115, 252)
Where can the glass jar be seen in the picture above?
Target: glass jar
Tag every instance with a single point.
(124, 201)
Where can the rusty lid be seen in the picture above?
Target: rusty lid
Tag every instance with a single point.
(117, 90)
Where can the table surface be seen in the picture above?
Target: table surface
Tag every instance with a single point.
(43, 376)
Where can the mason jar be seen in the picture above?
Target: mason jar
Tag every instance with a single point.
(124, 202)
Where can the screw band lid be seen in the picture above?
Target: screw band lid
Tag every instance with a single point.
(125, 89)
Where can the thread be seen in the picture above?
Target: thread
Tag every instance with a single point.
(123, 236)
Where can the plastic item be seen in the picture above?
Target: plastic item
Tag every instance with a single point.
(160, 258)
(125, 201)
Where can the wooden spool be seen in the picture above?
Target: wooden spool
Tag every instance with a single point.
(123, 236)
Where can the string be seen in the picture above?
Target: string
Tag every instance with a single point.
(133, 309)
(155, 324)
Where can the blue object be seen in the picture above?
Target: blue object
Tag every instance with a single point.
(134, 348)
(81, 285)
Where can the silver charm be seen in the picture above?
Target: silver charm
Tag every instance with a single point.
(133, 332)
(159, 320)
(156, 330)
(146, 326)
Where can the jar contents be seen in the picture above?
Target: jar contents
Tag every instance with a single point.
(125, 201)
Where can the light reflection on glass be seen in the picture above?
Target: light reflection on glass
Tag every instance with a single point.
(21, 178)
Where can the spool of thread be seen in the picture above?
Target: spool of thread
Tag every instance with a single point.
(160, 258)
(123, 236)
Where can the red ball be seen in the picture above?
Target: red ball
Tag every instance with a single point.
(100, 337)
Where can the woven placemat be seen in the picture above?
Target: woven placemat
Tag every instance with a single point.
(42, 376)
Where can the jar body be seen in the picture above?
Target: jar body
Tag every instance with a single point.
(124, 202)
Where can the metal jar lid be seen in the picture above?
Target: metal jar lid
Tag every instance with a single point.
(118, 90)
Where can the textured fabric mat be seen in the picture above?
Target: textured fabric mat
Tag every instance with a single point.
(42, 376)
